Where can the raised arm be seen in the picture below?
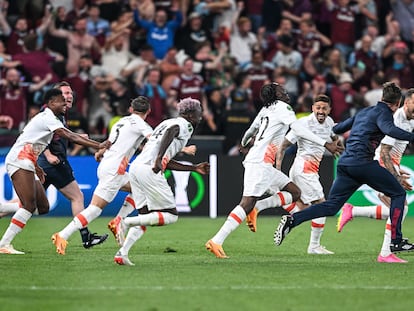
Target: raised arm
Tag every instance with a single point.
(141, 22)
(61, 33)
(33, 87)
(4, 25)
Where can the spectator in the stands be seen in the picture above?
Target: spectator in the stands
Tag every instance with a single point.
(191, 36)
(14, 95)
(161, 31)
(97, 26)
(79, 42)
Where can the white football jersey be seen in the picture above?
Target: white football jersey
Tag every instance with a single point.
(151, 148)
(399, 146)
(271, 124)
(126, 136)
(307, 149)
(36, 136)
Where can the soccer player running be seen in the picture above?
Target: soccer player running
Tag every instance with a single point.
(59, 172)
(305, 169)
(151, 192)
(356, 167)
(21, 163)
(261, 178)
(126, 136)
(389, 155)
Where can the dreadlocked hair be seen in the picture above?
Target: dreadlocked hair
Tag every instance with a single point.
(272, 92)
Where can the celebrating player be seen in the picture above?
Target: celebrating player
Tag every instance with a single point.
(21, 163)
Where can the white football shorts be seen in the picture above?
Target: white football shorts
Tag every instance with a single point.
(150, 188)
(109, 183)
(261, 178)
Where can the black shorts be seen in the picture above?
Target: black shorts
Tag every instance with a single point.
(59, 175)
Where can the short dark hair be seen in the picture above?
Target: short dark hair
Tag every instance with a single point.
(140, 104)
(409, 92)
(271, 92)
(322, 98)
(391, 93)
(30, 42)
(51, 95)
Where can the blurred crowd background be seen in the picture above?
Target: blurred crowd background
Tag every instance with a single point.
(218, 51)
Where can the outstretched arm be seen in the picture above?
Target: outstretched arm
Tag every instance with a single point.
(202, 168)
(299, 130)
(81, 139)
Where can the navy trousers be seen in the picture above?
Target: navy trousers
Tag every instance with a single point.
(348, 180)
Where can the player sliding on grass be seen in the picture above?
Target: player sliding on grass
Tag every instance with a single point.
(305, 170)
(261, 178)
(21, 163)
(357, 167)
(389, 155)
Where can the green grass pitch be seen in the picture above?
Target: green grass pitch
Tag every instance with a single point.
(258, 275)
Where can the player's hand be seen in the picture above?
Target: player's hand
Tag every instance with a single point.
(335, 147)
(190, 150)
(6, 121)
(404, 181)
(157, 166)
(52, 159)
(203, 168)
(105, 144)
(404, 172)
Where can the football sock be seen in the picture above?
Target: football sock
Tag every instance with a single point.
(235, 218)
(385, 248)
(9, 207)
(374, 211)
(278, 199)
(127, 207)
(317, 226)
(81, 220)
(134, 234)
(291, 208)
(17, 224)
(151, 219)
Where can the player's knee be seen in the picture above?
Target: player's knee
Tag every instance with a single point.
(293, 190)
(43, 207)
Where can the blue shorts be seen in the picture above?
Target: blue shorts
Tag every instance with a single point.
(59, 175)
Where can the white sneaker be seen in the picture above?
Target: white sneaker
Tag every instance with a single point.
(9, 249)
(319, 250)
(123, 259)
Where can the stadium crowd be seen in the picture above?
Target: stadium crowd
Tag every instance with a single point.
(218, 51)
